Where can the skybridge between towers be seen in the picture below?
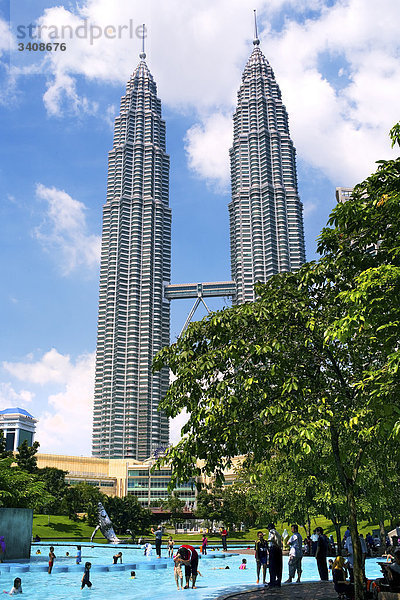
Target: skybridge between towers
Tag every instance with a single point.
(209, 289)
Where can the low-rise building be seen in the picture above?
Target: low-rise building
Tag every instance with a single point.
(18, 426)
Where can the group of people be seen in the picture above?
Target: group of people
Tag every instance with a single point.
(268, 552)
(52, 557)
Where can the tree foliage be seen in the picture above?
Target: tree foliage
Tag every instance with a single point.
(54, 480)
(127, 515)
(26, 456)
(315, 357)
(19, 489)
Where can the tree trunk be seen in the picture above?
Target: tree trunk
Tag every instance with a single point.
(338, 536)
(357, 553)
(382, 535)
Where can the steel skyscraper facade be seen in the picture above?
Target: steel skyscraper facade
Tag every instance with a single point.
(134, 316)
(266, 220)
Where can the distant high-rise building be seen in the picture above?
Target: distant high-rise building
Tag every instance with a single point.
(134, 316)
(343, 194)
(266, 214)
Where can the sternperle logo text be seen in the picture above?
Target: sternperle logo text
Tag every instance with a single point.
(85, 30)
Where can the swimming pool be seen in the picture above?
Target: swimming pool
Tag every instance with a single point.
(154, 577)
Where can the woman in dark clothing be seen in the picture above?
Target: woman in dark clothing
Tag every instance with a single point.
(342, 586)
(320, 554)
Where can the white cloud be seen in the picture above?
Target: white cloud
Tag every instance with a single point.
(175, 426)
(62, 93)
(6, 38)
(206, 145)
(53, 367)
(64, 231)
(10, 398)
(65, 420)
(197, 52)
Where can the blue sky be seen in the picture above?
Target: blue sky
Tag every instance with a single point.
(338, 69)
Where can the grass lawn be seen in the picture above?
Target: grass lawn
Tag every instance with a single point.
(55, 527)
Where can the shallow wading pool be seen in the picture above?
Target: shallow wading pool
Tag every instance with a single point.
(154, 577)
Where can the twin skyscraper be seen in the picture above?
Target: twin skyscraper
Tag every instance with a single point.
(266, 237)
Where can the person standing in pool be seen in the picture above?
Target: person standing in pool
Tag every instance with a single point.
(52, 556)
(78, 556)
(204, 542)
(224, 535)
(158, 534)
(190, 559)
(2, 548)
(86, 576)
(116, 557)
(170, 548)
(178, 571)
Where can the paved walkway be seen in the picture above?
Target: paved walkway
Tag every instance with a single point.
(318, 590)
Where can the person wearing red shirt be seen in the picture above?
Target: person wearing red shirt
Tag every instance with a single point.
(224, 534)
(190, 559)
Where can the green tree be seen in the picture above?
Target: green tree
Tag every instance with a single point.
(3, 444)
(19, 489)
(26, 457)
(54, 480)
(175, 506)
(315, 357)
(82, 498)
(210, 505)
(127, 515)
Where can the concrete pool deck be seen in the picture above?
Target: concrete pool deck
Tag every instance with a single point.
(315, 590)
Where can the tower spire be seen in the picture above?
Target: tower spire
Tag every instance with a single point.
(256, 41)
(142, 55)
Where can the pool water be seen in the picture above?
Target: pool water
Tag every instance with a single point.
(154, 577)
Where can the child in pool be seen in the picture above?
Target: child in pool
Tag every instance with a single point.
(178, 571)
(17, 587)
(133, 574)
(243, 565)
(38, 552)
(86, 576)
(52, 556)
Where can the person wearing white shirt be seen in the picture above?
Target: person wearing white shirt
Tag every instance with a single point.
(295, 554)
